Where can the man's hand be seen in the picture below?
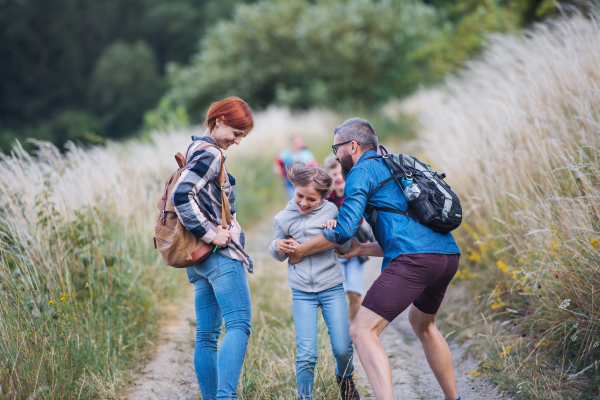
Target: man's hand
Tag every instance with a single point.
(330, 224)
(294, 257)
(285, 246)
(355, 250)
(223, 237)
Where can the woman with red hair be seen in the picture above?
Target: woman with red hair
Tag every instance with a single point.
(221, 288)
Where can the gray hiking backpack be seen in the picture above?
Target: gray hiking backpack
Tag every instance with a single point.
(437, 206)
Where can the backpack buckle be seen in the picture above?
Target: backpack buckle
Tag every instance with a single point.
(162, 214)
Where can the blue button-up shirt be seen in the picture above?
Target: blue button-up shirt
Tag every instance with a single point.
(395, 233)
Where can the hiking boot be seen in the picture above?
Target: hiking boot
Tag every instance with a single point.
(347, 388)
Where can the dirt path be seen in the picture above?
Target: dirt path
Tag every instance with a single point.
(170, 375)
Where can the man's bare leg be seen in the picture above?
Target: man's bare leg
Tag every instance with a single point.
(365, 331)
(436, 349)
(354, 300)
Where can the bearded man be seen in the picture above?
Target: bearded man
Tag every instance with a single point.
(418, 263)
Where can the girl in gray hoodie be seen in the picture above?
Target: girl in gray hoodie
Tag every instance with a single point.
(316, 281)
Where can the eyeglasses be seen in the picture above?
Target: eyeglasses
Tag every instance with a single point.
(335, 146)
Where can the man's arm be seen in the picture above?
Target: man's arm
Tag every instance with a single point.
(359, 185)
(362, 249)
(312, 246)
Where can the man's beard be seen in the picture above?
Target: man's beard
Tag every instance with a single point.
(346, 163)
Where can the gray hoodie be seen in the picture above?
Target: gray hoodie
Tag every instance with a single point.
(319, 271)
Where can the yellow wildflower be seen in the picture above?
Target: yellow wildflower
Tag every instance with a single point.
(497, 304)
(595, 243)
(507, 350)
(51, 302)
(463, 274)
(502, 266)
(475, 257)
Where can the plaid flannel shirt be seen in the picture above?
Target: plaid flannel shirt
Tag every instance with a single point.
(198, 186)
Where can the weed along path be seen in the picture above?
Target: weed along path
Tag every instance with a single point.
(270, 361)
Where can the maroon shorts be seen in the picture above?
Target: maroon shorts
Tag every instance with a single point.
(420, 279)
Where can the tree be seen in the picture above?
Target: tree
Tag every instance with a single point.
(302, 53)
(124, 84)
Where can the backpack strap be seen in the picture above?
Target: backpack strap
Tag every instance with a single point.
(164, 197)
(400, 174)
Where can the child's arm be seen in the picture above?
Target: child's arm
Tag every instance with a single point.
(280, 245)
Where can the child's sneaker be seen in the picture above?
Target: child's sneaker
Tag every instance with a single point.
(347, 388)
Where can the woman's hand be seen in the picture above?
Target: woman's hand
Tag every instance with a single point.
(355, 250)
(330, 224)
(285, 246)
(223, 237)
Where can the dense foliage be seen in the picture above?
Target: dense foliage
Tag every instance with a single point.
(303, 53)
(57, 55)
(87, 70)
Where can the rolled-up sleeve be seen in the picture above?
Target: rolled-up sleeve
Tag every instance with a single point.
(203, 167)
(359, 186)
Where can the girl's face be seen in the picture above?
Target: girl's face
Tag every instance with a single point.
(225, 136)
(338, 179)
(306, 198)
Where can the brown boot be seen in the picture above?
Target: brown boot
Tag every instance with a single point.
(347, 388)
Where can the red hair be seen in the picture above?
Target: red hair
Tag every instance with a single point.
(234, 112)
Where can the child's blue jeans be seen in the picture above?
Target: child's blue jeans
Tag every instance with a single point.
(335, 313)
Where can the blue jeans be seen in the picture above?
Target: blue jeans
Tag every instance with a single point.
(354, 274)
(221, 291)
(306, 313)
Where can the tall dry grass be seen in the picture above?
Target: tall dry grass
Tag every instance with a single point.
(80, 284)
(518, 133)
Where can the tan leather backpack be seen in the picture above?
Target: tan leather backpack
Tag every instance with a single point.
(179, 247)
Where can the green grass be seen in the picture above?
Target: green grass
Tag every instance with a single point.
(78, 312)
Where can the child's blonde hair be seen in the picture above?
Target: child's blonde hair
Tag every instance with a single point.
(302, 175)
